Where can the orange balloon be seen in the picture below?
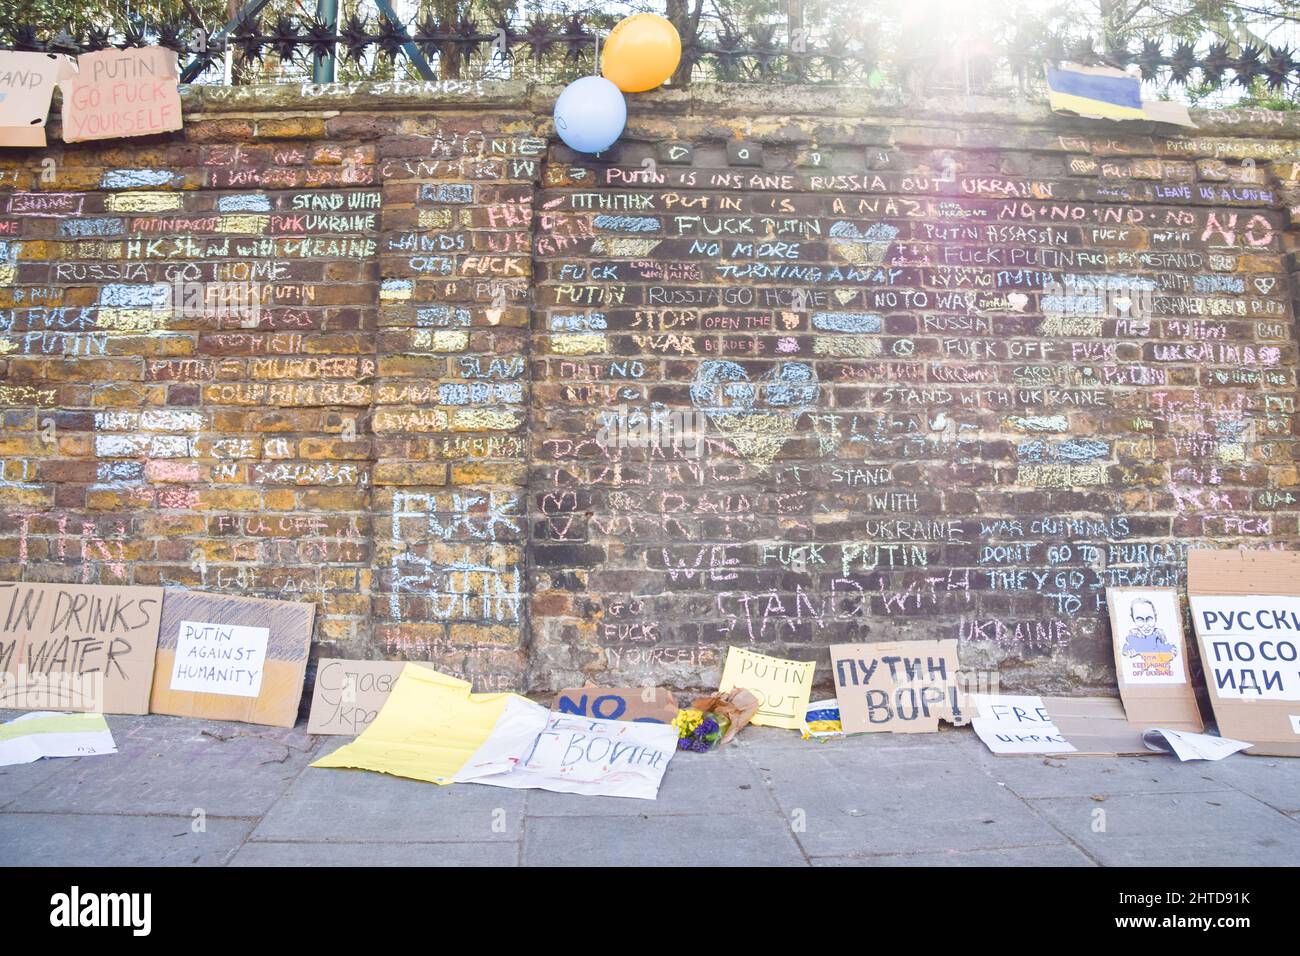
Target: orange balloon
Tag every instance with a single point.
(642, 51)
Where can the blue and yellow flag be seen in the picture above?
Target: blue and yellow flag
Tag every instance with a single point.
(1095, 91)
(1100, 92)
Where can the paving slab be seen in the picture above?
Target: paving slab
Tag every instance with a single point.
(1051, 855)
(20, 778)
(105, 839)
(899, 800)
(1051, 776)
(646, 840)
(258, 853)
(1222, 828)
(773, 739)
(693, 783)
(1274, 780)
(172, 765)
(325, 804)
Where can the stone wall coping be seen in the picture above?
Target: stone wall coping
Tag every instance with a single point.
(715, 100)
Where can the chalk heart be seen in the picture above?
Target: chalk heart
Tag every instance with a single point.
(757, 416)
(493, 315)
(1018, 301)
(862, 247)
(1265, 285)
(1123, 303)
(845, 296)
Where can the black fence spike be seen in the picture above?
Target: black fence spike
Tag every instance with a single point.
(1278, 67)
(247, 39)
(354, 36)
(1215, 63)
(285, 38)
(319, 38)
(1248, 66)
(97, 38)
(1182, 63)
(390, 38)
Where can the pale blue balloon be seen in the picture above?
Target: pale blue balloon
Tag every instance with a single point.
(590, 114)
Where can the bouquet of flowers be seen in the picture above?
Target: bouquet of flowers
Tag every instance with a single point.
(699, 730)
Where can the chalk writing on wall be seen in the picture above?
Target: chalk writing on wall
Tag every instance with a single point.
(539, 418)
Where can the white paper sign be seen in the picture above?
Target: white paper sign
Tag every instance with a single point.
(512, 737)
(220, 659)
(1253, 644)
(585, 755)
(44, 734)
(1017, 724)
(1149, 637)
(1188, 746)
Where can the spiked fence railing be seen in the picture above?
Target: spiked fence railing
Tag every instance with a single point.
(560, 48)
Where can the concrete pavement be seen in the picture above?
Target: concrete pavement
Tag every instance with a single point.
(191, 792)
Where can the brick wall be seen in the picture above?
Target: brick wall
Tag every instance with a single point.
(784, 369)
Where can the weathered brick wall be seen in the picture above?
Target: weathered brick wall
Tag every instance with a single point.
(959, 367)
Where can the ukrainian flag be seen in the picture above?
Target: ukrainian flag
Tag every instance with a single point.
(1098, 92)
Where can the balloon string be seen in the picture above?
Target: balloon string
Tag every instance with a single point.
(597, 63)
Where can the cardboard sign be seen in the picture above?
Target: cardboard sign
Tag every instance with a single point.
(1151, 658)
(1096, 726)
(231, 658)
(613, 758)
(348, 695)
(653, 705)
(1247, 620)
(1064, 726)
(1011, 724)
(78, 647)
(782, 686)
(903, 688)
(27, 82)
(119, 93)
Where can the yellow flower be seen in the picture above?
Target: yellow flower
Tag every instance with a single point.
(687, 720)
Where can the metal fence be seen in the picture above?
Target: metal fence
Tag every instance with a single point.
(258, 48)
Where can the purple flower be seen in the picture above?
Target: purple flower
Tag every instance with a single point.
(684, 743)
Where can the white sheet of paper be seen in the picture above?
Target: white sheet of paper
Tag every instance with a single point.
(47, 735)
(512, 737)
(220, 658)
(1017, 724)
(1009, 737)
(1015, 708)
(584, 755)
(1188, 746)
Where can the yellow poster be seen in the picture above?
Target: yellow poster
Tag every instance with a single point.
(782, 686)
(429, 727)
